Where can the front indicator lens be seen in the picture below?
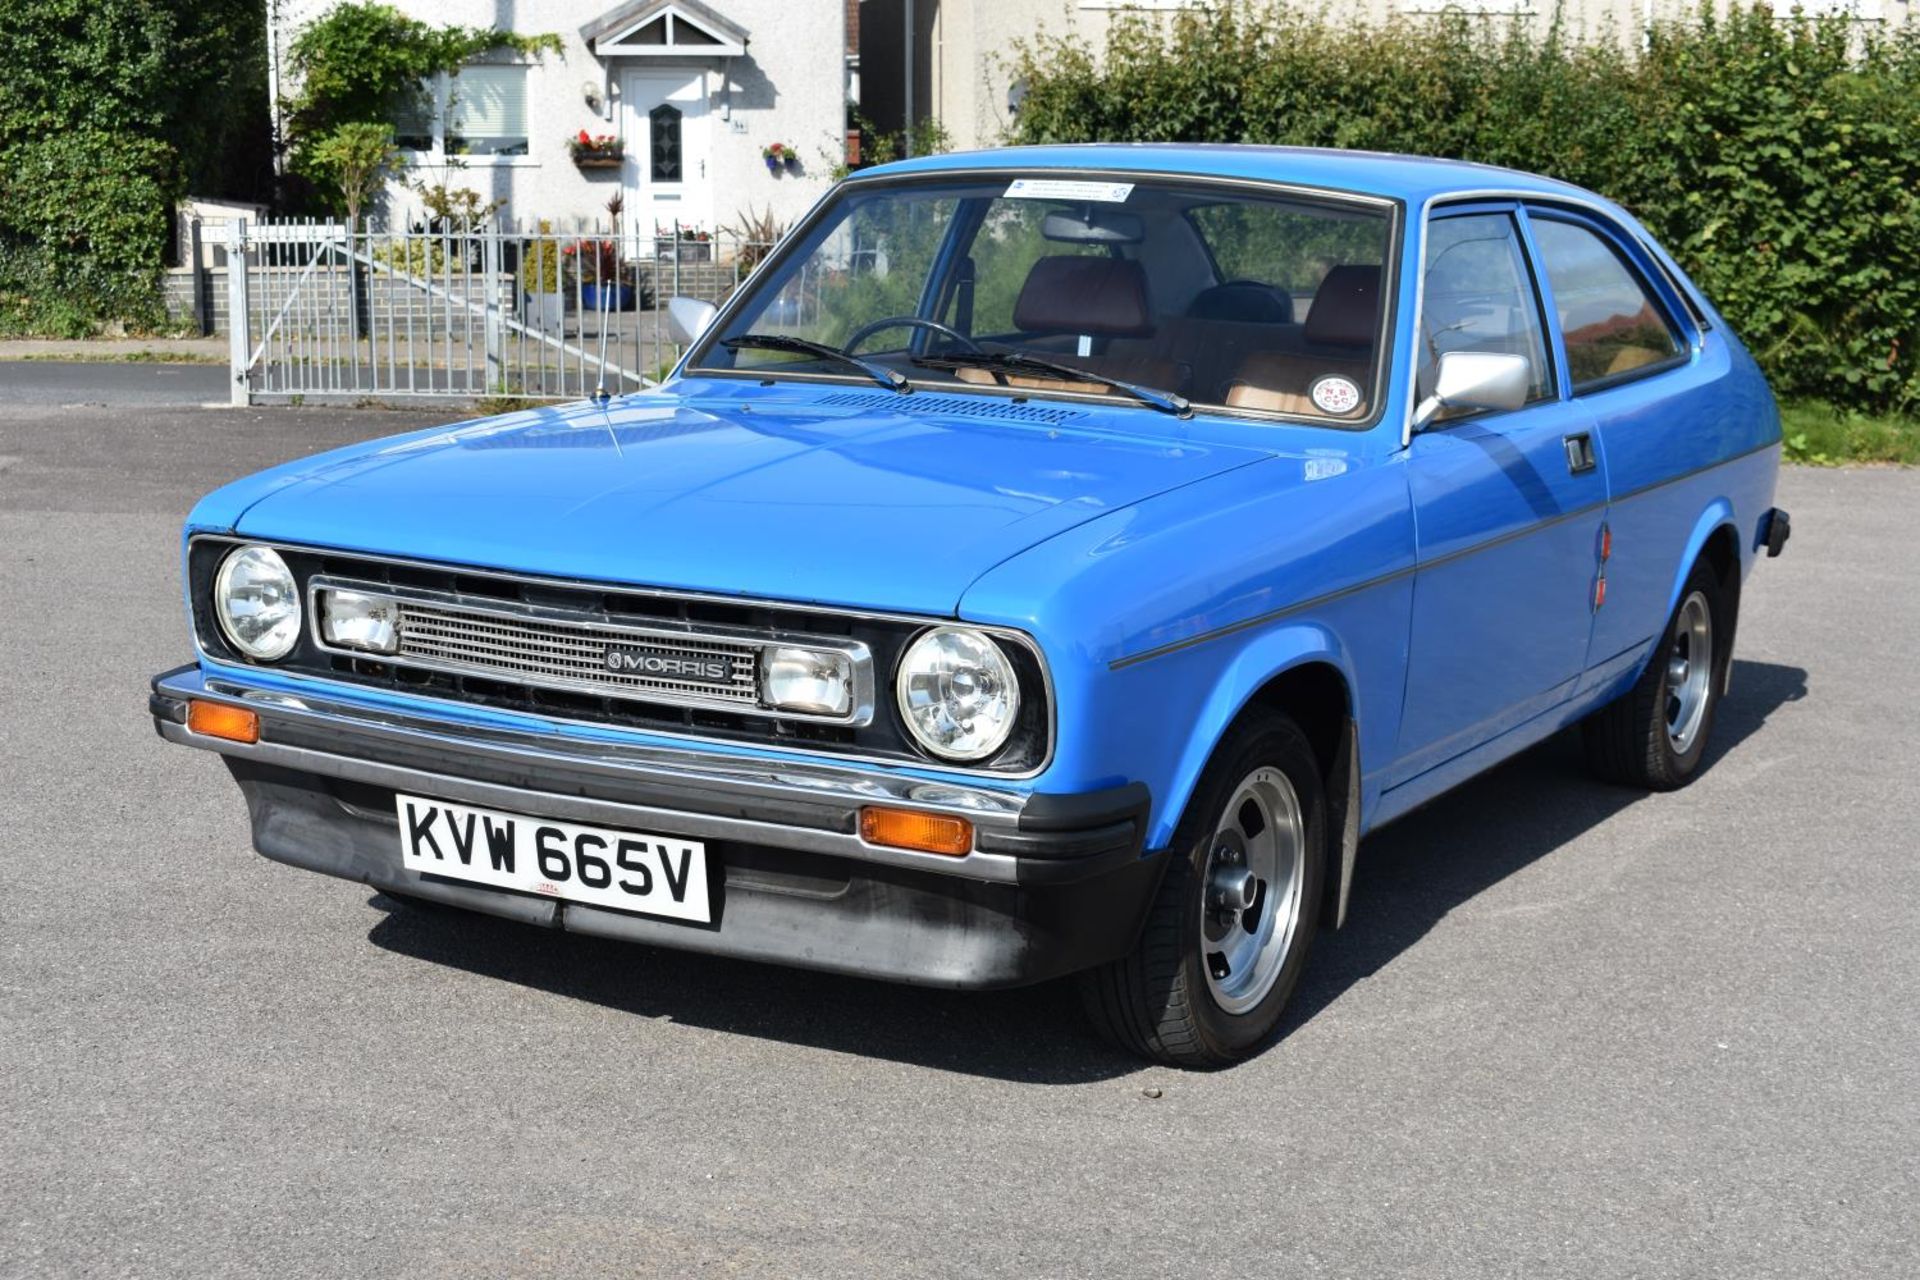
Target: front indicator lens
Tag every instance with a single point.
(257, 603)
(958, 693)
(356, 620)
(218, 720)
(907, 829)
(811, 681)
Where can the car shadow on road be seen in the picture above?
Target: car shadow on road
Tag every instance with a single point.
(1409, 877)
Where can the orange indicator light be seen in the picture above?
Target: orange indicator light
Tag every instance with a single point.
(928, 832)
(218, 720)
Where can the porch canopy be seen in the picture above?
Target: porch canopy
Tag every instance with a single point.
(664, 29)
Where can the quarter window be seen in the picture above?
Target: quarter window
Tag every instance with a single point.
(1478, 296)
(1609, 319)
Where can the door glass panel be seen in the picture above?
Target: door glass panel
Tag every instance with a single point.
(1478, 296)
(663, 142)
(1609, 319)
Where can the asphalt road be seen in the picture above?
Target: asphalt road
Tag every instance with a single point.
(133, 384)
(1570, 1031)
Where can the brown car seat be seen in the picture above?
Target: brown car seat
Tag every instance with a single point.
(1340, 331)
(1094, 297)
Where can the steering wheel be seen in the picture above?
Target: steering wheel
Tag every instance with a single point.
(866, 331)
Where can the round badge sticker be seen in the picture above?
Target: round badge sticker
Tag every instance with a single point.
(1334, 394)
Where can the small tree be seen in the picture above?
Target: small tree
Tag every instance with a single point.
(356, 158)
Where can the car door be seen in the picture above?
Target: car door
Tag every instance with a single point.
(1509, 507)
(1633, 362)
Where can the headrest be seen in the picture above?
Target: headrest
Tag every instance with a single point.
(1242, 301)
(1103, 297)
(1346, 308)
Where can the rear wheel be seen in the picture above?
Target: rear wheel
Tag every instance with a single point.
(1655, 735)
(1229, 931)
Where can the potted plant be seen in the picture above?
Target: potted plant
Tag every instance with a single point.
(596, 151)
(688, 244)
(778, 156)
(604, 284)
(546, 303)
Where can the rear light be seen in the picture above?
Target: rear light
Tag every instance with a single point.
(218, 720)
(927, 832)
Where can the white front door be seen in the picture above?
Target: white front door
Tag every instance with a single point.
(667, 149)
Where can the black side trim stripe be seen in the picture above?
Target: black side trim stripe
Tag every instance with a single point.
(1328, 597)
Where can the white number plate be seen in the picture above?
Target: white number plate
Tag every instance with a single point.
(624, 870)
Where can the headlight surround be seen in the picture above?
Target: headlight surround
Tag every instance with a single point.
(958, 693)
(257, 603)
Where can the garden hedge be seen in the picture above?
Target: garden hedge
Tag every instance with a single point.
(1779, 160)
(109, 109)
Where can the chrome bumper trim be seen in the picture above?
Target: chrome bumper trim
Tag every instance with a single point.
(769, 783)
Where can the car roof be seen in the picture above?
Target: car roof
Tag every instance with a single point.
(1411, 178)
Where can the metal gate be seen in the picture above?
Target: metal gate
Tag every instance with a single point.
(321, 311)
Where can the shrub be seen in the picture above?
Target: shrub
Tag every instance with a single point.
(1778, 160)
(108, 111)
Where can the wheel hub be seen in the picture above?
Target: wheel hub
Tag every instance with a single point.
(1250, 903)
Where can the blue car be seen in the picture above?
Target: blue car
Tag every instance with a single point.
(1052, 562)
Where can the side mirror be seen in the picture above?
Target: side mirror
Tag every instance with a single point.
(1476, 380)
(688, 318)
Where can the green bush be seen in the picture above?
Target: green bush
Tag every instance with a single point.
(109, 109)
(1778, 160)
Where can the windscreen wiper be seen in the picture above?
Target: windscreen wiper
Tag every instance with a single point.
(892, 379)
(1166, 401)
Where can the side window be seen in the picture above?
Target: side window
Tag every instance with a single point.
(1478, 296)
(1608, 316)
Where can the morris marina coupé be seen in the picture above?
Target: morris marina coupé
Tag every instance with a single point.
(1052, 561)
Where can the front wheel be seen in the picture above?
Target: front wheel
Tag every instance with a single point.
(1229, 930)
(1655, 735)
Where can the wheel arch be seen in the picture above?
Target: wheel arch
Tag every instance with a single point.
(1716, 541)
(1303, 673)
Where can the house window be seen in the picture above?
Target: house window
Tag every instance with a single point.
(663, 127)
(482, 111)
(489, 116)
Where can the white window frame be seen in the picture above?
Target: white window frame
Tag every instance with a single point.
(437, 155)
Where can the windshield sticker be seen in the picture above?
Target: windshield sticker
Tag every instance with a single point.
(1334, 394)
(1063, 189)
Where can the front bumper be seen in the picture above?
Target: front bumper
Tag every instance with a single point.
(1053, 884)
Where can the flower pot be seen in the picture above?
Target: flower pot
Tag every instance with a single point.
(608, 297)
(793, 163)
(773, 164)
(689, 251)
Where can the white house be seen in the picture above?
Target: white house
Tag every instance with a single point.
(695, 90)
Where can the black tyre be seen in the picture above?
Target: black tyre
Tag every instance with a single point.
(1655, 735)
(1236, 913)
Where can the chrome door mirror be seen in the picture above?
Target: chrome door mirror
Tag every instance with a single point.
(1476, 380)
(688, 318)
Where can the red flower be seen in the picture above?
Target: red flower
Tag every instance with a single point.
(585, 141)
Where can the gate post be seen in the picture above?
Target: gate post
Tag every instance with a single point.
(239, 332)
(490, 264)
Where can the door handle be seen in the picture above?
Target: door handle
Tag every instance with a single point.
(1579, 448)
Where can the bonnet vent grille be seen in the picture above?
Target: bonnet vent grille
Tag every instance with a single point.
(960, 406)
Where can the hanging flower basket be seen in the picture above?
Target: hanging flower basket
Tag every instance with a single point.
(596, 151)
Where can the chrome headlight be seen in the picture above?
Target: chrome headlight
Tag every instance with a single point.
(958, 693)
(814, 681)
(258, 603)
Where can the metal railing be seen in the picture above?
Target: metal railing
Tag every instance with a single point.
(316, 310)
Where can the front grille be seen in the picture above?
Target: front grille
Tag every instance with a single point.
(550, 652)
